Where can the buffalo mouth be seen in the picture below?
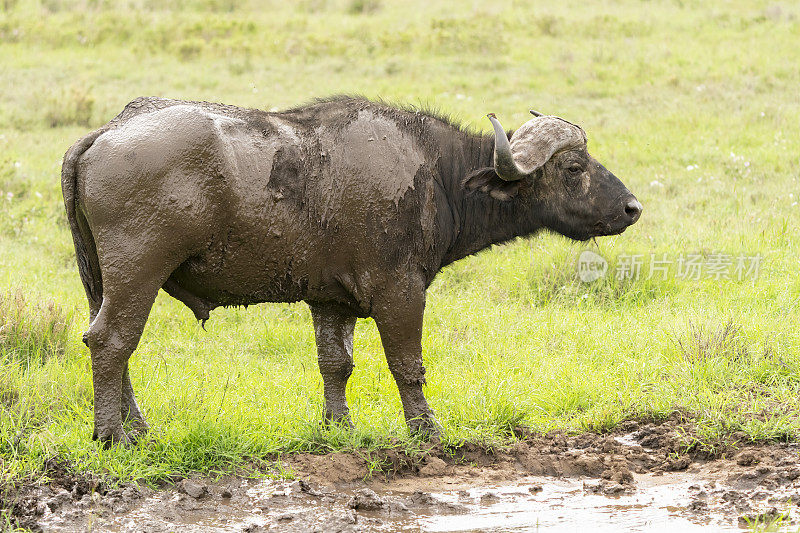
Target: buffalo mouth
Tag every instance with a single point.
(611, 229)
(607, 229)
(600, 228)
(583, 235)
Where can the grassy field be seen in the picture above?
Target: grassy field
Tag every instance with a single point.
(693, 105)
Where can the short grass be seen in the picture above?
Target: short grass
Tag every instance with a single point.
(694, 105)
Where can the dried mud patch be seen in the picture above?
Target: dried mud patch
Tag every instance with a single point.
(540, 479)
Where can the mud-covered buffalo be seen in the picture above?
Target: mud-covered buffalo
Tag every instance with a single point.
(350, 205)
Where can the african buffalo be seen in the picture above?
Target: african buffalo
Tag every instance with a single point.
(350, 205)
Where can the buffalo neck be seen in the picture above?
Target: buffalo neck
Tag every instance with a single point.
(479, 220)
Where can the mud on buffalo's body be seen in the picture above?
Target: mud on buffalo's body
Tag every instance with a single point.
(350, 205)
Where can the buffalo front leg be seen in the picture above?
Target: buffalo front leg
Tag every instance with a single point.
(334, 335)
(399, 321)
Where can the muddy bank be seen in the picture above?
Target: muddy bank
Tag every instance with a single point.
(638, 475)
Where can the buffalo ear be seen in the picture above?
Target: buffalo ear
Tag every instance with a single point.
(487, 181)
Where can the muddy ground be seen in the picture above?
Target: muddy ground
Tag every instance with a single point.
(638, 478)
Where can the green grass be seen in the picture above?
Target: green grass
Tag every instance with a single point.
(693, 105)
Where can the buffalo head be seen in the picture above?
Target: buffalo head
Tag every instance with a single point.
(546, 164)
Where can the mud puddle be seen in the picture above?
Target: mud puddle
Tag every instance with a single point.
(673, 502)
(639, 479)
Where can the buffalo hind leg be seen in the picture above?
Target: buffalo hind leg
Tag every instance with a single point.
(131, 414)
(112, 338)
(399, 320)
(334, 335)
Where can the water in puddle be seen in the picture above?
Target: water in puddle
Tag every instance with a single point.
(627, 440)
(565, 506)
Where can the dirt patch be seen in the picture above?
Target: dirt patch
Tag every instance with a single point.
(333, 468)
(388, 489)
(27, 503)
(634, 448)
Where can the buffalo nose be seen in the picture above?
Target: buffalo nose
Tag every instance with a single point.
(633, 209)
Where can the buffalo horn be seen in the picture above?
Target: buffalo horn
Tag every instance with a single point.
(504, 164)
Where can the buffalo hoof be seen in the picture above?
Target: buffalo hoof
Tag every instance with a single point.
(137, 434)
(425, 427)
(341, 420)
(116, 437)
(136, 426)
